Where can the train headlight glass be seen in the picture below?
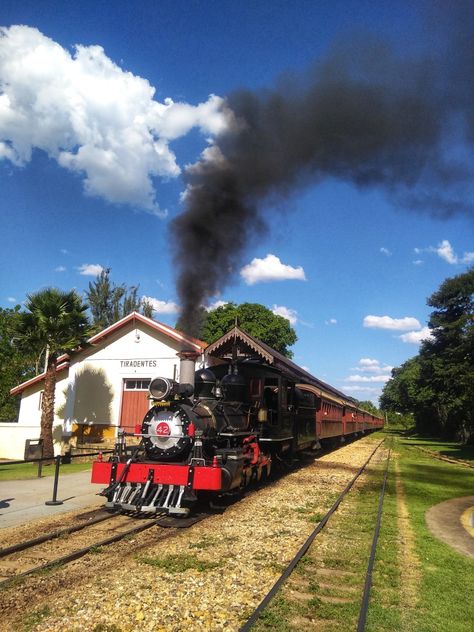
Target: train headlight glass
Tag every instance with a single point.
(161, 388)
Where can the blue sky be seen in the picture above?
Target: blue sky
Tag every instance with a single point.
(349, 266)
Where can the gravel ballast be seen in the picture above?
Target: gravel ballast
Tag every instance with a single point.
(208, 577)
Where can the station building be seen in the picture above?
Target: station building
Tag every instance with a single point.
(102, 387)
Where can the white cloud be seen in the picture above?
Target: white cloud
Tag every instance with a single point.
(387, 322)
(286, 312)
(418, 262)
(370, 365)
(64, 251)
(270, 269)
(331, 321)
(416, 337)
(61, 269)
(11, 299)
(162, 307)
(362, 389)
(90, 269)
(368, 378)
(386, 252)
(215, 305)
(445, 251)
(92, 117)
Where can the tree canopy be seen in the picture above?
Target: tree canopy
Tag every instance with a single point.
(55, 320)
(253, 318)
(437, 386)
(109, 302)
(16, 365)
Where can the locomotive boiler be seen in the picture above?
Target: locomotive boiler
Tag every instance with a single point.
(223, 426)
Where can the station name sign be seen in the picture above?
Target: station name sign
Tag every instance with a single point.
(135, 364)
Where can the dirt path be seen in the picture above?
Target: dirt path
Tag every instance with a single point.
(409, 561)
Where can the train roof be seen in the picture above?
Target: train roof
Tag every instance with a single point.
(237, 345)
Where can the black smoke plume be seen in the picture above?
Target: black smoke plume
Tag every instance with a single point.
(363, 115)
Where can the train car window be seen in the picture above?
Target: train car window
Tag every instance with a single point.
(256, 387)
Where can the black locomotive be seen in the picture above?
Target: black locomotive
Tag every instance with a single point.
(223, 426)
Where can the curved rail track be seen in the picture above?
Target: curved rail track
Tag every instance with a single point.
(294, 562)
(41, 553)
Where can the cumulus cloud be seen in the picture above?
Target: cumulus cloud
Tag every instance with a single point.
(270, 269)
(92, 117)
(161, 307)
(90, 269)
(371, 365)
(215, 305)
(386, 252)
(416, 337)
(387, 322)
(286, 312)
(366, 390)
(368, 378)
(445, 251)
(331, 321)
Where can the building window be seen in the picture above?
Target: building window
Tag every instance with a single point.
(137, 385)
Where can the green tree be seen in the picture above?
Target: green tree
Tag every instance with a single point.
(255, 319)
(56, 320)
(147, 308)
(370, 407)
(109, 302)
(15, 366)
(437, 386)
(401, 391)
(447, 359)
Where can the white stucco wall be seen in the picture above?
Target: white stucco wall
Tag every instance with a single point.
(135, 350)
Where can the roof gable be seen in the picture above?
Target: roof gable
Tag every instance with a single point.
(187, 343)
(239, 344)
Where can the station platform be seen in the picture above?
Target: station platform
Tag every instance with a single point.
(23, 501)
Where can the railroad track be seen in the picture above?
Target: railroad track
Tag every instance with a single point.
(300, 554)
(442, 457)
(62, 546)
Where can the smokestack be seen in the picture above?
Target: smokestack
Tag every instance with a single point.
(187, 369)
(363, 115)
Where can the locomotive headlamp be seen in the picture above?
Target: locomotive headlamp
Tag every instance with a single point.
(162, 388)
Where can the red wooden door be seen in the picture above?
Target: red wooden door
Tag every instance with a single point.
(135, 403)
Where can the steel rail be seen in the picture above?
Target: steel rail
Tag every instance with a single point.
(70, 557)
(291, 566)
(21, 546)
(370, 567)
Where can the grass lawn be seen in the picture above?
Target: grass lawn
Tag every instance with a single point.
(446, 590)
(419, 584)
(448, 448)
(30, 470)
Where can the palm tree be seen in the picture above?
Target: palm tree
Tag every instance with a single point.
(56, 322)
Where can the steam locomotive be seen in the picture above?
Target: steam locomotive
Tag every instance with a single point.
(222, 427)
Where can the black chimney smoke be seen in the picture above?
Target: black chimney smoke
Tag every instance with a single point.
(363, 115)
